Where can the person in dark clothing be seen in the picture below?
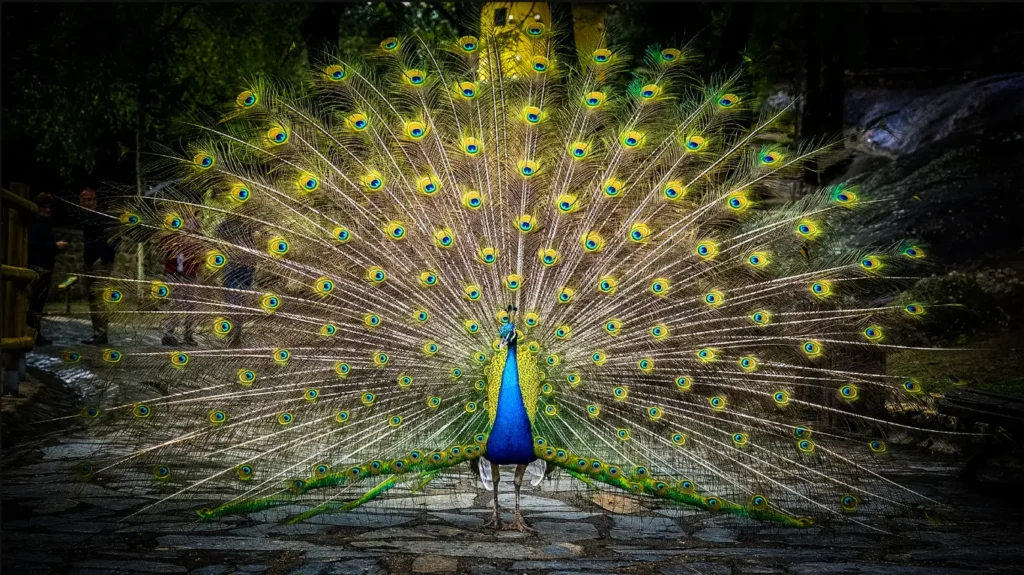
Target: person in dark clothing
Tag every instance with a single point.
(99, 261)
(43, 248)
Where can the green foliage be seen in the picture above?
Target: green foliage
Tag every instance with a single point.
(79, 87)
(81, 80)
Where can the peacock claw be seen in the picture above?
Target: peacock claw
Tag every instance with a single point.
(494, 523)
(519, 524)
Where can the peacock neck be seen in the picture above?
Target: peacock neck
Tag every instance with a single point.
(511, 438)
(510, 396)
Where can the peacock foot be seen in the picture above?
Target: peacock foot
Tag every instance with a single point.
(495, 522)
(519, 524)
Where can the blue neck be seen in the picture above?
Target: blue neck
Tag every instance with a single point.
(510, 440)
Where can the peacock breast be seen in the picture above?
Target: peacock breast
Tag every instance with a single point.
(513, 398)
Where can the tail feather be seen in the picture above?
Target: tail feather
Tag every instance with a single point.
(358, 240)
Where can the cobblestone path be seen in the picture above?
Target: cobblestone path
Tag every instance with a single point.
(50, 527)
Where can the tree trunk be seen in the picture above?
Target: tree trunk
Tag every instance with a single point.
(734, 37)
(810, 119)
(833, 81)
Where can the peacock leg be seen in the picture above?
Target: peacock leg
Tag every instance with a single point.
(495, 521)
(518, 523)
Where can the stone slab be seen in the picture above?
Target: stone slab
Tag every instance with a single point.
(462, 520)
(717, 535)
(350, 567)
(696, 569)
(435, 564)
(640, 527)
(136, 566)
(490, 550)
(562, 531)
(578, 564)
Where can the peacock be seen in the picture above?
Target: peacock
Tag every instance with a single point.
(483, 252)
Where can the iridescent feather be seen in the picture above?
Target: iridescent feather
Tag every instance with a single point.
(362, 236)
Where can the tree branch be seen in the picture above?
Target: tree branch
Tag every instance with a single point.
(160, 34)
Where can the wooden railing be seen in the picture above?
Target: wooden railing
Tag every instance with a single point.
(16, 337)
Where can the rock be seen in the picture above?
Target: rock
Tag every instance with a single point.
(786, 532)
(745, 553)
(562, 515)
(490, 550)
(44, 468)
(915, 120)
(716, 535)
(822, 568)
(677, 513)
(434, 564)
(997, 553)
(433, 502)
(114, 503)
(247, 544)
(579, 573)
(694, 568)
(508, 501)
(638, 527)
(350, 567)
(210, 570)
(579, 564)
(55, 505)
(131, 566)
(29, 557)
(255, 568)
(729, 521)
(49, 541)
(279, 513)
(563, 550)
(561, 531)
(487, 570)
(460, 520)
(401, 533)
(268, 529)
(160, 527)
(617, 503)
(48, 489)
(77, 450)
(362, 520)
(356, 567)
(81, 514)
(358, 518)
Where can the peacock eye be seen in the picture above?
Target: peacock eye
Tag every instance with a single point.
(728, 100)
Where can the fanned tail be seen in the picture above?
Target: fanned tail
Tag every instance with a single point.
(690, 335)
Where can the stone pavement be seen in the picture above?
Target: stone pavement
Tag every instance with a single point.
(53, 526)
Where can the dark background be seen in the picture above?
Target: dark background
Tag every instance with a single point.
(928, 99)
(84, 84)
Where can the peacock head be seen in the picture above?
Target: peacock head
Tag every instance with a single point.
(507, 332)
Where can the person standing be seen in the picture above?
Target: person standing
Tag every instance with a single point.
(42, 253)
(239, 274)
(99, 261)
(181, 266)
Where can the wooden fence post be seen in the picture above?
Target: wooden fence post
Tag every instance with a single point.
(14, 341)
